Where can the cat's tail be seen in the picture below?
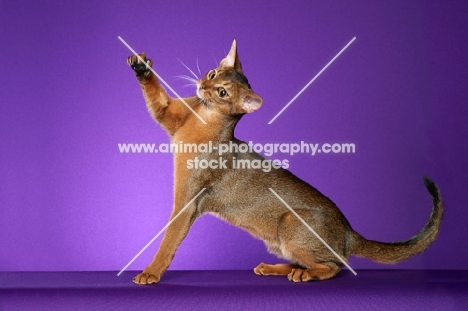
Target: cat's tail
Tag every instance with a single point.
(398, 251)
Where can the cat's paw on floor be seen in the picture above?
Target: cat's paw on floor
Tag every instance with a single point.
(145, 278)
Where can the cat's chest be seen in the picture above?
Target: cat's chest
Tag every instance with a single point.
(193, 131)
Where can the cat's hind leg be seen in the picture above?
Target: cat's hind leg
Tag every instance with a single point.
(314, 260)
(278, 269)
(274, 247)
(317, 273)
(296, 273)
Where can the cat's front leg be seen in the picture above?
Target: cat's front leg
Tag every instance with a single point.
(168, 112)
(174, 235)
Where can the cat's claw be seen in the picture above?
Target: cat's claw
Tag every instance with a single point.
(140, 65)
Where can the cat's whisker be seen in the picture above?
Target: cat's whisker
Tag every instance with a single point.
(198, 67)
(215, 61)
(193, 73)
(188, 78)
(193, 82)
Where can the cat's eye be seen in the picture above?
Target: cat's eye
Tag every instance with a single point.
(211, 75)
(222, 92)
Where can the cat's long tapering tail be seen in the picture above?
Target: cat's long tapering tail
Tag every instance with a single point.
(398, 251)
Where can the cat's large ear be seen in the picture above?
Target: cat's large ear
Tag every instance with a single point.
(249, 101)
(232, 59)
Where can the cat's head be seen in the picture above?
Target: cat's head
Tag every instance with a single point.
(226, 89)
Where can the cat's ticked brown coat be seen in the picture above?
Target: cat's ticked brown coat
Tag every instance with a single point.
(242, 196)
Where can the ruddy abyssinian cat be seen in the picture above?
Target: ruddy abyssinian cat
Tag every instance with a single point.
(242, 196)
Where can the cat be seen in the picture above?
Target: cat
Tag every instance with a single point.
(242, 197)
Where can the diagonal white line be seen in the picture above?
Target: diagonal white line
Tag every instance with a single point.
(191, 71)
(161, 231)
(162, 80)
(313, 231)
(310, 82)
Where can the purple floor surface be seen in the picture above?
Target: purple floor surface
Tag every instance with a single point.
(235, 290)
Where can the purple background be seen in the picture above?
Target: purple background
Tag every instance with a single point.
(70, 201)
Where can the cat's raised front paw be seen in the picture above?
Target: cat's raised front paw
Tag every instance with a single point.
(141, 66)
